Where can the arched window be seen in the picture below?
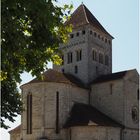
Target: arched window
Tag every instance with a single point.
(106, 60)
(69, 57)
(79, 55)
(29, 113)
(105, 40)
(94, 55)
(76, 69)
(101, 58)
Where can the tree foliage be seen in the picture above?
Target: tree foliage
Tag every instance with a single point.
(31, 32)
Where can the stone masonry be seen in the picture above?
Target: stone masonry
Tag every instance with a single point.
(81, 99)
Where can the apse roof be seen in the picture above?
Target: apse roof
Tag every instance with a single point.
(58, 77)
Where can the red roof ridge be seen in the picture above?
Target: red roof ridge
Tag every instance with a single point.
(52, 75)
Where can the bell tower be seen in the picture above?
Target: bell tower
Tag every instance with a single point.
(88, 53)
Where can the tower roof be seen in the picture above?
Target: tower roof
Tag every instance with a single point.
(82, 16)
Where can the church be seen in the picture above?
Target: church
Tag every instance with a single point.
(82, 99)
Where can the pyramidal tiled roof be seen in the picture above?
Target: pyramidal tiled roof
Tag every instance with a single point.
(82, 16)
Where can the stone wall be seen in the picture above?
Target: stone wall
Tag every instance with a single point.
(15, 136)
(74, 44)
(44, 106)
(100, 46)
(131, 86)
(130, 134)
(95, 133)
(86, 42)
(118, 102)
(109, 100)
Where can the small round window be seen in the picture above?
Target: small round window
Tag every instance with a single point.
(135, 115)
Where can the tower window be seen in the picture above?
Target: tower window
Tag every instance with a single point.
(90, 32)
(83, 32)
(77, 34)
(71, 35)
(105, 40)
(76, 69)
(69, 57)
(106, 60)
(95, 34)
(94, 55)
(96, 70)
(79, 55)
(101, 58)
(109, 41)
(29, 113)
(102, 38)
(99, 36)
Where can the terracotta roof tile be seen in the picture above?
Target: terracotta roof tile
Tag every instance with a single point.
(58, 77)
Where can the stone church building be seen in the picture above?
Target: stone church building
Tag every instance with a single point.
(81, 99)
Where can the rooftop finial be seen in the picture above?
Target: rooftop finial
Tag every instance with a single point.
(82, 2)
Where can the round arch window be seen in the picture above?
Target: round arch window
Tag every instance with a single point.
(135, 114)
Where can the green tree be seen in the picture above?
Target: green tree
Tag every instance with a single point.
(30, 35)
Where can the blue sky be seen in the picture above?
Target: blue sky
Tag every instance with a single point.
(121, 19)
